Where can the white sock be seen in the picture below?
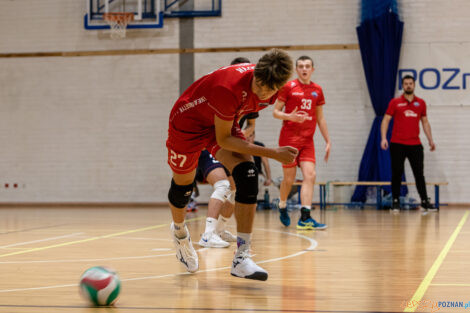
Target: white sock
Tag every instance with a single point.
(180, 230)
(210, 224)
(221, 224)
(305, 207)
(243, 242)
(282, 204)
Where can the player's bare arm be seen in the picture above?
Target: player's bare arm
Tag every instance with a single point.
(324, 130)
(294, 116)
(383, 131)
(223, 133)
(267, 170)
(428, 133)
(250, 127)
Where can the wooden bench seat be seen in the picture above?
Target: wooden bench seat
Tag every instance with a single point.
(378, 184)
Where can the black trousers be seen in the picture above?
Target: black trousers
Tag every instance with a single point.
(415, 155)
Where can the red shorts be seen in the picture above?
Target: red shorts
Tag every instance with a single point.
(184, 148)
(306, 154)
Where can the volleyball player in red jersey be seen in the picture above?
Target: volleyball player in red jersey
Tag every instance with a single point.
(205, 117)
(220, 206)
(302, 101)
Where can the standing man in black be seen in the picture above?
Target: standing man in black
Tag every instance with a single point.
(406, 111)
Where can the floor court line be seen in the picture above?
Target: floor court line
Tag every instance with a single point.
(452, 285)
(40, 240)
(313, 245)
(189, 309)
(418, 295)
(95, 260)
(93, 238)
(145, 238)
(30, 229)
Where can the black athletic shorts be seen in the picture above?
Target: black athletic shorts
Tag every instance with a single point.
(206, 164)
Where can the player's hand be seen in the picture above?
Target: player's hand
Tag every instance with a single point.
(286, 154)
(298, 117)
(384, 144)
(267, 182)
(432, 146)
(327, 151)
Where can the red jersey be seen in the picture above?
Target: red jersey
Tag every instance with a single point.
(226, 93)
(406, 116)
(305, 98)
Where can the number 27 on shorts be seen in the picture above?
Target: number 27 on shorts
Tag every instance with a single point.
(176, 159)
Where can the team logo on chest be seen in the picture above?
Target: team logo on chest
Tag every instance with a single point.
(314, 94)
(410, 113)
(416, 104)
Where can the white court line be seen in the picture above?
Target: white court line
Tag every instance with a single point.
(313, 245)
(95, 260)
(136, 238)
(38, 288)
(40, 240)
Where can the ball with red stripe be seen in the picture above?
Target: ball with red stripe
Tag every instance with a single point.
(100, 285)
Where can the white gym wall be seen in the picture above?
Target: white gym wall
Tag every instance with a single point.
(93, 129)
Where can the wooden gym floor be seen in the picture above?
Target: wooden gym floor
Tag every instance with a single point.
(366, 261)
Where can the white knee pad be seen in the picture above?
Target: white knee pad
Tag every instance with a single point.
(223, 192)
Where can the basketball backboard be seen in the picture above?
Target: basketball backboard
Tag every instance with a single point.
(147, 13)
(192, 8)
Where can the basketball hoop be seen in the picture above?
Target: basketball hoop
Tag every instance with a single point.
(118, 21)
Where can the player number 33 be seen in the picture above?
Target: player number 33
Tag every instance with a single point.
(306, 104)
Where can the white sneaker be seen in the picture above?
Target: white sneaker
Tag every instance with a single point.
(244, 267)
(212, 240)
(227, 236)
(185, 252)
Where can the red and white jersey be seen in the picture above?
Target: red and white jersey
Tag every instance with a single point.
(406, 116)
(305, 98)
(225, 93)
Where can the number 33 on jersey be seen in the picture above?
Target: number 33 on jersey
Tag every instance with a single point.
(303, 97)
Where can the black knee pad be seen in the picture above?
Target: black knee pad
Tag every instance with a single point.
(245, 176)
(179, 195)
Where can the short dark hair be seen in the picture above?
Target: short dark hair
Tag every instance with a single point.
(303, 58)
(240, 60)
(274, 69)
(407, 77)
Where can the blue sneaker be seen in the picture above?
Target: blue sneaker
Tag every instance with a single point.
(310, 223)
(192, 206)
(284, 217)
